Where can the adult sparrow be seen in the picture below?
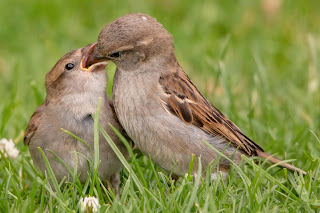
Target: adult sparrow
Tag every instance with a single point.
(72, 97)
(157, 104)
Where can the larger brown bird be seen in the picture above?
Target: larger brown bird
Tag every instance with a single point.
(72, 97)
(158, 105)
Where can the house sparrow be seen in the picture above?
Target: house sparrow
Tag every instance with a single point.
(159, 107)
(72, 97)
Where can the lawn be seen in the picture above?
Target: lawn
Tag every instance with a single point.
(256, 61)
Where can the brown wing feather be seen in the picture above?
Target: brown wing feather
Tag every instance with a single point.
(181, 109)
(33, 124)
(188, 103)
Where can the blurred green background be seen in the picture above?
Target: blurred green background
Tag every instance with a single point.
(257, 61)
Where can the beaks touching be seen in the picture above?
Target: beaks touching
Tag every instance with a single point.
(93, 65)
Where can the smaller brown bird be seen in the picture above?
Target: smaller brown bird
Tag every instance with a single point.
(72, 97)
(159, 107)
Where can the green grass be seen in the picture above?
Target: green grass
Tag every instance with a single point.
(260, 68)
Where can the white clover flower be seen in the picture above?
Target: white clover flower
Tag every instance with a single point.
(7, 147)
(89, 204)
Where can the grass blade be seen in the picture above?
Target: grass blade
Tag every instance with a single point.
(122, 159)
(96, 136)
(57, 194)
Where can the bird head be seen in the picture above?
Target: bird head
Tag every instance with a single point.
(132, 39)
(71, 73)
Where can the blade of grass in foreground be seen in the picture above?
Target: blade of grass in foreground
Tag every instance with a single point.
(57, 194)
(95, 175)
(7, 188)
(51, 174)
(270, 177)
(96, 136)
(195, 187)
(79, 139)
(246, 179)
(122, 159)
(132, 155)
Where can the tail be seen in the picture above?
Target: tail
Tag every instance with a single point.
(276, 160)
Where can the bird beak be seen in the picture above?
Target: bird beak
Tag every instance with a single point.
(95, 57)
(94, 64)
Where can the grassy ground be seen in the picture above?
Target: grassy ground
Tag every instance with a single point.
(256, 61)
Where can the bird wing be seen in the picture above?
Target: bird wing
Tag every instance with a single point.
(33, 124)
(185, 101)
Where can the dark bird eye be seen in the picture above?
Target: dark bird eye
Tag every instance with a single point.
(115, 55)
(69, 66)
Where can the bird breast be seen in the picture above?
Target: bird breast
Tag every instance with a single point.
(155, 131)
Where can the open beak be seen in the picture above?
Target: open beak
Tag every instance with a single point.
(93, 65)
(95, 57)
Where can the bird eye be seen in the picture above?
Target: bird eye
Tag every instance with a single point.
(69, 66)
(115, 55)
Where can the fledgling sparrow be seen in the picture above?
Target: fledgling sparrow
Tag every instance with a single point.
(72, 97)
(157, 104)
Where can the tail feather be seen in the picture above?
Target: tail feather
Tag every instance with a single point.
(276, 160)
